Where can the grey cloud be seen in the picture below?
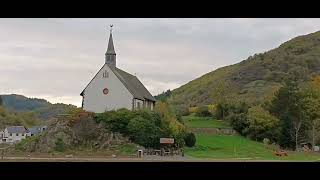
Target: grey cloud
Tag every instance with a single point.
(56, 58)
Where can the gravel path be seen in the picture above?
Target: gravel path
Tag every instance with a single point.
(167, 158)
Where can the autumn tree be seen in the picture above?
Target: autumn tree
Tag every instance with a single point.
(221, 94)
(311, 106)
(262, 124)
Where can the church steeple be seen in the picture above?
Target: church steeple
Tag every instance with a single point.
(111, 54)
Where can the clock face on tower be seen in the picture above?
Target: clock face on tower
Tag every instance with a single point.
(105, 91)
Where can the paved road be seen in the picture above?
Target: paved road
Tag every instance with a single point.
(144, 159)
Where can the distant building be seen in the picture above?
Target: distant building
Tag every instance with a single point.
(14, 134)
(112, 88)
(1, 135)
(36, 130)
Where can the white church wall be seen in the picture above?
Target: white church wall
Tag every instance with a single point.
(118, 96)
(137, 102)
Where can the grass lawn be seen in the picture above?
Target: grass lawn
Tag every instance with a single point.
(204, 122)
(229, 147)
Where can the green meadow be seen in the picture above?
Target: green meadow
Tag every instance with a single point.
(211, 146)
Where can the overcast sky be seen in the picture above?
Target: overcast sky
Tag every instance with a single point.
(56, 58)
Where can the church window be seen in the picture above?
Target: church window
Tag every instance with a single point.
(105, 91)
(105, 74)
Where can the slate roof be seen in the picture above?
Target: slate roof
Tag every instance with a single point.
(131, 82)
(36, 129)
(110, 49)
(16, 129)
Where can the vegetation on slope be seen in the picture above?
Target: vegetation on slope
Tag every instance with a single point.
(8, 118)
(290, 118)
(41, 107)
(145, 127)
(204, 122)
(255, 79)
(237, 147)
(75, 132)
(121, 129)
(221, 146)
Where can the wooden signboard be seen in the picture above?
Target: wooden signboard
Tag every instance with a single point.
(166, 141)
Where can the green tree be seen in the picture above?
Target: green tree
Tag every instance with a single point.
(311, 106)
(203, 111)
(221, 95)
(262, 124)
(59, 145)
(190, 139)
(117, 121)
(286, 106)
(239, 122)
(144, 132)
(222, 110)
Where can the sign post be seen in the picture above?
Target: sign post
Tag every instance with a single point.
(166, 141)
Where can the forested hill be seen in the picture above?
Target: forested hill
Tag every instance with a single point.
(21, 103)
(255, 79)
(44, 109)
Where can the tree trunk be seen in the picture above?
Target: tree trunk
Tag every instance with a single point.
(296, 140)
(223, 113)
(297, 128)
(313, 136)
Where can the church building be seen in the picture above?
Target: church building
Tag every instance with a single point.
(112, 88)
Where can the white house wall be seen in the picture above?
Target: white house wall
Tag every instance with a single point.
(14, 136)
(118, 96)
(136, 101)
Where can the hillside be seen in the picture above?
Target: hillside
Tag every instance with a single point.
(77, 133)
(255, 79)
(44, 109)
(213, 143)
(8, 118)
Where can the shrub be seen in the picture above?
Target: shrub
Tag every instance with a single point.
(28, 144)
(203, 111)
(221, 111)
(190, 139)
(239, 122)
(212, 108)
(144, 132)
(262, 124)
(117, 121)
(193, 109)
(59, 145)
(145, 127)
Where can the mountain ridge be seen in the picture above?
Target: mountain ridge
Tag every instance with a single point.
(256, 78)
(43, 108)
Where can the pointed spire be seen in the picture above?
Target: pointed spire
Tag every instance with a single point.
(111, 54)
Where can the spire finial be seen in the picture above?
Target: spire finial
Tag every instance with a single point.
(111, 25)
(110, 53)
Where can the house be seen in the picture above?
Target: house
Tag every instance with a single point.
(1, 135)
(36, 130)
(14, 134)
(112, 88)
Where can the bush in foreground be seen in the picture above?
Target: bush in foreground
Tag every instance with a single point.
(190, 139)
(145, 127)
